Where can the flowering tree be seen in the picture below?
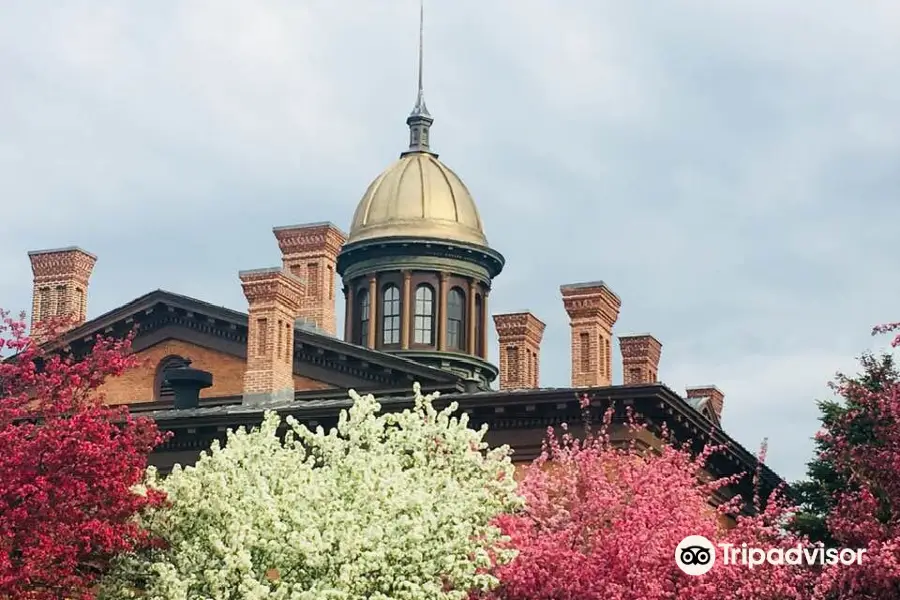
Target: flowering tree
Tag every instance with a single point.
(862, 442)
(67, 467)
(386, 506)
(827, 476)
(603, 522)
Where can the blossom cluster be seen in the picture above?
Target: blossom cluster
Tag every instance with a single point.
(409, 505)
(864, 443)
(68, 465)
(384, 506)
(603, 520)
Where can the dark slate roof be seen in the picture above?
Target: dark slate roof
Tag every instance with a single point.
(318, 404)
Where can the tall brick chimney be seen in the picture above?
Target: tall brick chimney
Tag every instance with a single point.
(640, 358)
(520, 335)
(310, 252)
(274, 296)
(593, 309)
(710, 394)
(60, 285)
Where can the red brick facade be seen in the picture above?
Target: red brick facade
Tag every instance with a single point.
(640, 358)
(593, 309)
(60, 284)
(140, 384)
(520, 337)
(274, 296)
(310, 252)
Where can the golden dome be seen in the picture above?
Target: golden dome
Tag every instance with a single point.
(418, 196)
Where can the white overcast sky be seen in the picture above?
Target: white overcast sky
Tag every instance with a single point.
(730, 169)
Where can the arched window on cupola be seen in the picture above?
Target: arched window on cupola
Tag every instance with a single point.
(479, 324)
(390, 323)
(162, 389)
(363, 314)
(456, 320)
(423, 320)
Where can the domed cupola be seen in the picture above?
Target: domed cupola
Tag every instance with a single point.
(418, 196)
(417, 268)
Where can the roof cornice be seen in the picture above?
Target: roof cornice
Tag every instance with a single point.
(233, 325)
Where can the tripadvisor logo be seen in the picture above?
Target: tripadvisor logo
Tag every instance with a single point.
(696, 555)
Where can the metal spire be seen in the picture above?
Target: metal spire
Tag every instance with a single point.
(420, 108)
(419, 119)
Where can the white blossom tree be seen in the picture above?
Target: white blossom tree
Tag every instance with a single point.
(394, 506)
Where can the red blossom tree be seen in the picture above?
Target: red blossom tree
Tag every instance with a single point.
(602, 521)
(864, 443)
(68, 466)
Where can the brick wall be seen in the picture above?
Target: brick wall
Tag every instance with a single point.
(138, 384)
(302, 383)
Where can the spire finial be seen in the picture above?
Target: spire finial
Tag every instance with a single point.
(420, 107)
(419, 119)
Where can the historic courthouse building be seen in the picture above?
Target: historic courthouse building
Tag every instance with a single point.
(413, 276)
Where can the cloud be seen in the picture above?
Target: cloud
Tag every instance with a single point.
(728, 169)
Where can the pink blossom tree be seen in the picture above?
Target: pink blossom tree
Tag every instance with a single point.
(602, 521)
(68, 466)
(864, 444)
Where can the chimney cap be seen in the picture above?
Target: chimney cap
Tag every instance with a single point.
(263, 271)
(583, 285)
(64, 249)
(697, 388)
(517, 313)
(254, 273)
(308, 226)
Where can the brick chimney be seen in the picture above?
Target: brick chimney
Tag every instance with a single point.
(274, 296)
(710, 394)
(593, 309)
(60, 284)
(520, 336)
(310, 252)
(640, 358)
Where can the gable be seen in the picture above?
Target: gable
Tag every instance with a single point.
(320, 361)
(703, 406)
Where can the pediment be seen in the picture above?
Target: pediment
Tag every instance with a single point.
(162, 315)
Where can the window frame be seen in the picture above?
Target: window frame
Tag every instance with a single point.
(479, 325)
(363, 316)
(456, 317)
(391, 309)
(424, 314)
